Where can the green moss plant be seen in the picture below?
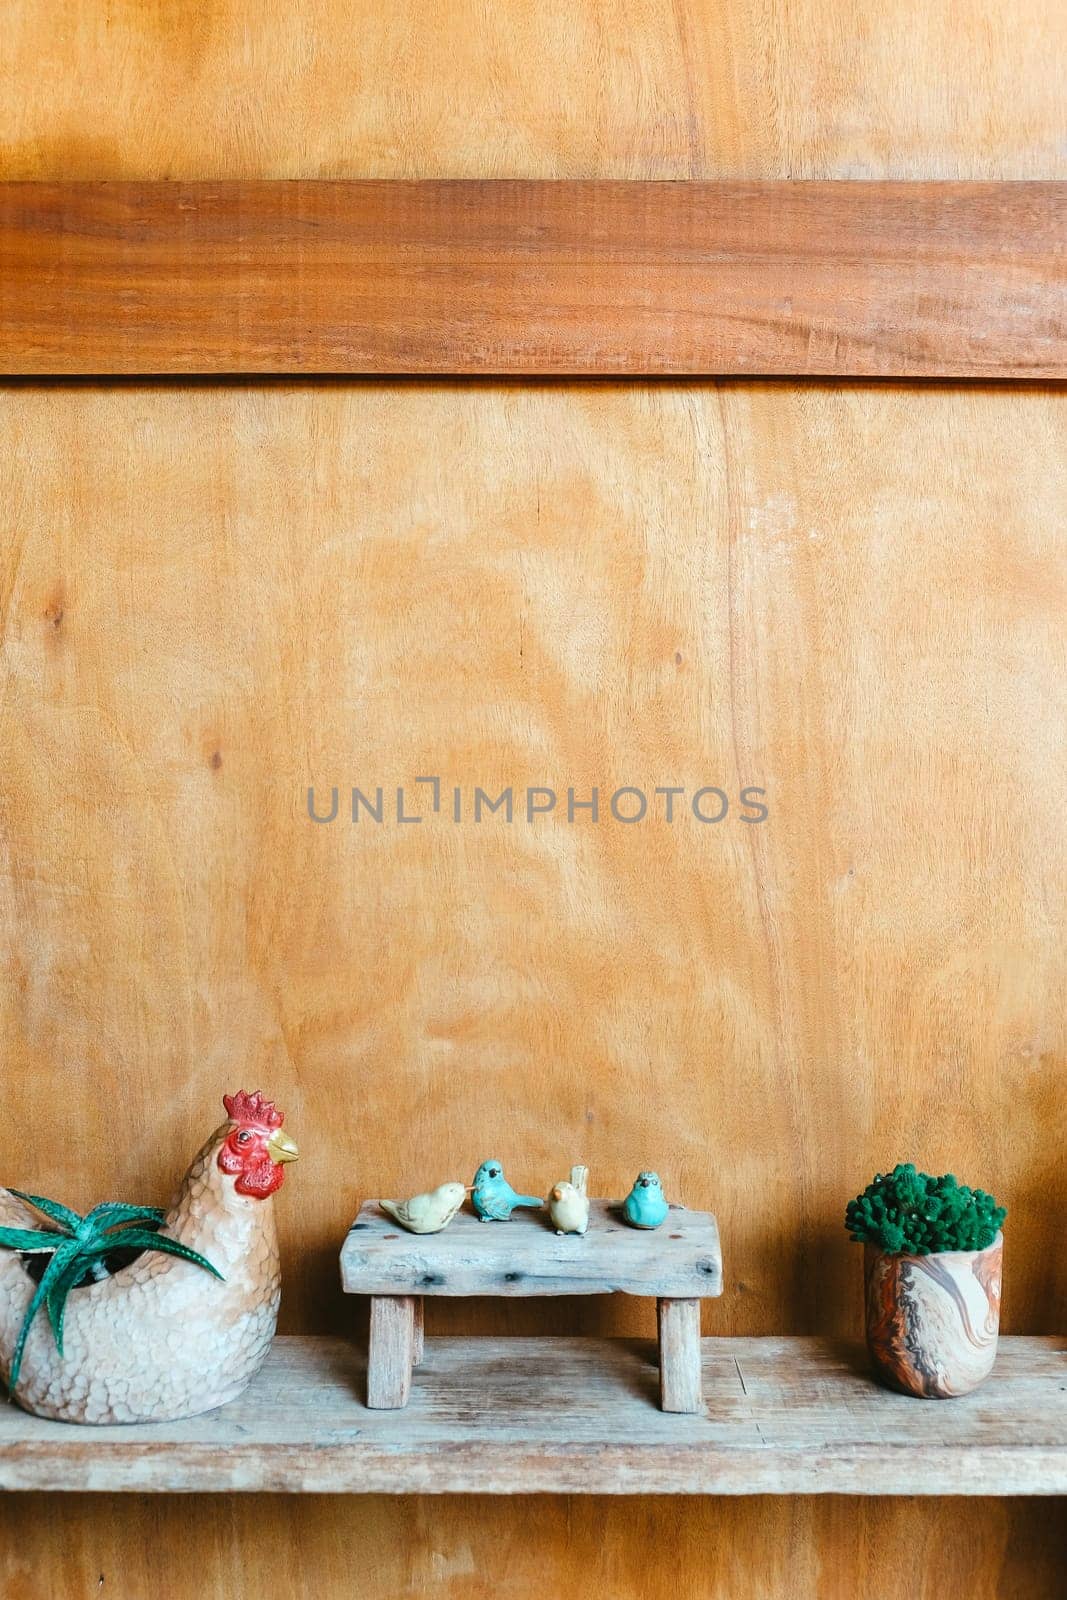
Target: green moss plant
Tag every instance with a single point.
(905, 1212)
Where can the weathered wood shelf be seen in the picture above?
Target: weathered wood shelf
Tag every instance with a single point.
(579, 1416)
(679, 1261)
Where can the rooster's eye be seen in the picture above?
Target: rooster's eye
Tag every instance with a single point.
(244, 1136)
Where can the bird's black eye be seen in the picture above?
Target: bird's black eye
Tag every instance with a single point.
(244, 1136)
(494, 1172)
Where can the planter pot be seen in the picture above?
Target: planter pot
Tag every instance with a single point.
(932, 1320)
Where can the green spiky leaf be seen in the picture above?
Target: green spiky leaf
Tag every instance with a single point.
(135, 1239)
(66, 1218)
(30, 1241)
(112, 1214)
(53, 1272)
(56, 1298)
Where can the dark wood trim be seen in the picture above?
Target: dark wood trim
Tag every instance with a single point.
(566, 279)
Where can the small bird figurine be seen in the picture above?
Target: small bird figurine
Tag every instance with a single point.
(568, 1204)
(427, 1213)
(645, 1206)
(492, 1196)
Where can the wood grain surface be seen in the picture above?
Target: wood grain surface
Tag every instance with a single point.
(566, 89)
(578, 1416)
(213, 598)
(209, 594)
(479, 1546)
(680, 1387)
(392, 1340)
(530, 278)
(525, 1256)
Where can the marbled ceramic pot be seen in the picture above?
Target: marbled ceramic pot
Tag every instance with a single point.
(932, 1320)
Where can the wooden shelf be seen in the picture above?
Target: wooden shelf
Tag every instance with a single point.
(579, 1416)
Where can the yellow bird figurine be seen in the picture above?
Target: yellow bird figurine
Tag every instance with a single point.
(568, 1204)
(427, 1213)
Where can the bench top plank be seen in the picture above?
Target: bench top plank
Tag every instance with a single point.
(681, 1260)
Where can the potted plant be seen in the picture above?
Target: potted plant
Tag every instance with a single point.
(118, 1316)
(932, 1272)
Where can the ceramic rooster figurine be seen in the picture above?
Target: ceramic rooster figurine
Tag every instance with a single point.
(160, 1337)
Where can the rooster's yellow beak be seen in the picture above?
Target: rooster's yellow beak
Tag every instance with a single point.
(281, 1148)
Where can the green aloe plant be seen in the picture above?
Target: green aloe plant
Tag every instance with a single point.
(74, 1244)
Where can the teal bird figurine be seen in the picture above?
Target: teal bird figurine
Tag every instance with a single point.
(645, 1205)
(492, 1196)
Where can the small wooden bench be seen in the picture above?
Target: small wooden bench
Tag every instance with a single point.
(679, 1264)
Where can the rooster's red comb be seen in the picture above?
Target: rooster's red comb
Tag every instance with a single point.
(243, 1107)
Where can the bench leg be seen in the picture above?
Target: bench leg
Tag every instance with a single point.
(679, 1355)
(391, 1354)
(418, 1349)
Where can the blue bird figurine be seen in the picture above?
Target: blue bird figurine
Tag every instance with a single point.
(645, 1206)
(493, 1198)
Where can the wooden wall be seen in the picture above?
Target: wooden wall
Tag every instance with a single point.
(212, 596)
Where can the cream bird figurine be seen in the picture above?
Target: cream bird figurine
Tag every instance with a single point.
(568, 1203)
(179, 1329)
(427, 1213)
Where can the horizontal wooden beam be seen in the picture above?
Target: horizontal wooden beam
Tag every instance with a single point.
(680, 1261)
(578, 1416)
(834, 279)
